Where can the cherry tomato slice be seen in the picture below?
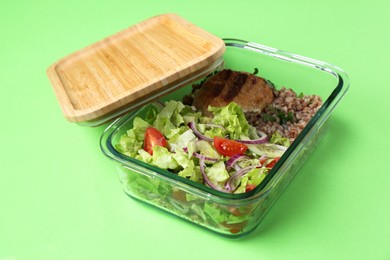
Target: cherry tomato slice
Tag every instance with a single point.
(179, 195)
(153, 137)
(228, 147)
(250, 187)
(273, 162)
(262, 160)
(236, 227)
(241, 211)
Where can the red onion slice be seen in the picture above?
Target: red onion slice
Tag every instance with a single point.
(205, 158)
(262, 159)
(197, 133)
(234, 159)
(206, 178)
(229, 183)
(262, 140)
(215, 125)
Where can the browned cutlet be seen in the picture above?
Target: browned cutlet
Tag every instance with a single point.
(251, 92)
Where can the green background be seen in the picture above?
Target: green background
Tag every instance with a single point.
(60, 197)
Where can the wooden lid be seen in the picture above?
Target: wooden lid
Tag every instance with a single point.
(132, 65)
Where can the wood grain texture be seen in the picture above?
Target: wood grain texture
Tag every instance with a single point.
(131, 65)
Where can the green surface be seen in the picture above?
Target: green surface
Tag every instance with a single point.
(60, 197)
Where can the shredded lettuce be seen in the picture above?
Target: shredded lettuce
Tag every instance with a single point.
(212, 131)
(132, 141)
(206, 149)
(232, 118)
(169, 119)
(254, 177)
(267, 149)
(180, 141)
(163, 159)
(191, 172)
(219, 215)
(277, 138)
(217, 173)
(179, 157)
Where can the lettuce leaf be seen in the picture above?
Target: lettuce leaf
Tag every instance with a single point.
(163, 158)
(206, 149)
(169, 119)
(219, 216)
(277, 138)
(270, 150)
(191, 172)
(255, 177)
(132, 141)
(217, 172)
(232, 118)
(181, 140)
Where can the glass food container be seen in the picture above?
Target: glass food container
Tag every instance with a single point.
(233, 214)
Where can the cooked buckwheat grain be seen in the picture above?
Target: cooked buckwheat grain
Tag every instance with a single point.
(288, 114)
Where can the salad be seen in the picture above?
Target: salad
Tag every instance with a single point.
(223, 152)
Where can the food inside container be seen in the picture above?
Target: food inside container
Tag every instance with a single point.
(307, 87)
(209, 138)
(220, 165)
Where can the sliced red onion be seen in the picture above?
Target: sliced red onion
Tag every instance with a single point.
(262, 158)
(229, 183)
(206, 178)
(261, 140)
(234, 159)
(205, 158)
(197, 133)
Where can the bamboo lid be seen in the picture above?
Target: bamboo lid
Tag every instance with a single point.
(135, 64)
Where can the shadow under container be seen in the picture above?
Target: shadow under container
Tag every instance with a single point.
(234, 215)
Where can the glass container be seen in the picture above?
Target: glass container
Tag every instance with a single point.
(234, 215)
